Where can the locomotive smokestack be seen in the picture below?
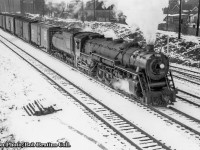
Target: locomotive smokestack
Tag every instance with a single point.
(150, 48)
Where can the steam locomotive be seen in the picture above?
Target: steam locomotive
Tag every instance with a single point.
(145, 72)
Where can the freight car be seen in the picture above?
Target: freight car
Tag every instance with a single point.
(10, 23)
(2, 21)
(145, 72)
(42, 33)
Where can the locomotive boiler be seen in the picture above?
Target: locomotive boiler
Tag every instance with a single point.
(145, 72)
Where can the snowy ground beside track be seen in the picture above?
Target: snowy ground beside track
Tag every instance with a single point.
(19, 85)
(24, 88)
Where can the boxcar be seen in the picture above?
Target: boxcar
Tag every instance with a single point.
(18, 27)
(1, 20)
(41, 34)
(10, 23)
(47, 32)
(35, 31)
(4, 22)
(26, 27)
(23, 27)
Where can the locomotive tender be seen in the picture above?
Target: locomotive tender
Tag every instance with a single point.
(145, 71)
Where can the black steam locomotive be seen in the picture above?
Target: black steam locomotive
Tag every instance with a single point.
(145, 72)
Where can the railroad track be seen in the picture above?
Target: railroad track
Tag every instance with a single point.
(182, 117)
(188, 97)
(186, 70)
(187, 75)
(119, 125)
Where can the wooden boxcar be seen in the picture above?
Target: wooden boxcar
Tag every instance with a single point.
(26, 26)
(10, 23)
(41, 34)
(18, 27)
(35, 31)
(4, 22)
(1, 20)
(23, 27)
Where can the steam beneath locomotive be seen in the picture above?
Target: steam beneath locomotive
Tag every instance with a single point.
(121, 84)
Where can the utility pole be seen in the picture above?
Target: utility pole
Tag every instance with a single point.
(197, 33)
(180, 10)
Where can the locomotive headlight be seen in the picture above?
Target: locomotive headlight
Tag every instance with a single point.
(162, 66)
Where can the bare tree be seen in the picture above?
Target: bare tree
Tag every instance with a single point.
(49, 7)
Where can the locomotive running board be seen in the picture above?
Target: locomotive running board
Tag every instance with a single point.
(126, 69)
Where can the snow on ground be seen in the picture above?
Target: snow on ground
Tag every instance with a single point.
(184, 51)
(187, 38)
(20, 85)
(169, 133)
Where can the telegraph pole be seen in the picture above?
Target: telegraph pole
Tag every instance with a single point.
(180, 10)
(197, 33)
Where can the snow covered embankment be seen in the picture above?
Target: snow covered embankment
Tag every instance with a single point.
(20, 85)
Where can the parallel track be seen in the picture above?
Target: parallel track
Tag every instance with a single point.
(185, 79)
(180, 116)
(188, 97)
(197, 74)
(187, 75)
(114, 121)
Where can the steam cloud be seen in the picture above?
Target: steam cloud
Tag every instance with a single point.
(121, 84)
(110, 33)
(146, 14)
